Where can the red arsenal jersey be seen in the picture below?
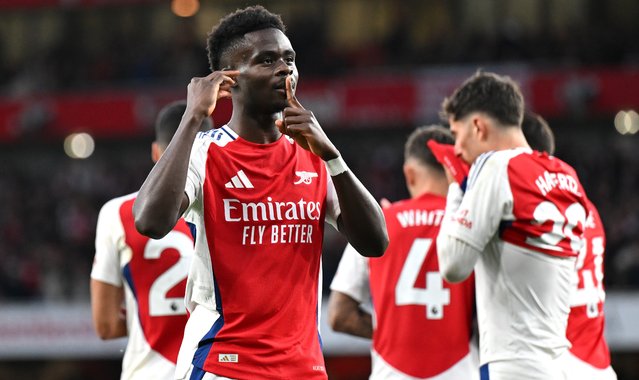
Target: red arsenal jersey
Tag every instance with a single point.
(586, 320)
(258, 213)
(153, 273)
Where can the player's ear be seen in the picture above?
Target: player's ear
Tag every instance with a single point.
(409, 174)
(156, 151)
(480, 128)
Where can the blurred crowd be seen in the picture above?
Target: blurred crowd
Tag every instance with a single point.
(45, 49)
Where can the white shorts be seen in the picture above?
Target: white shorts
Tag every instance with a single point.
(521, 370)
(577, 369)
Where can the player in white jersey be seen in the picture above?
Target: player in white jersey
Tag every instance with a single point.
(423, 325)
(259, 190)
(519, 224)
(589, 356)
(138, 284)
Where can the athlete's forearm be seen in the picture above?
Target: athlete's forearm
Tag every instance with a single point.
(346, 316)
(108, 320)
(456, 258)
(361, 219)
(161, 200)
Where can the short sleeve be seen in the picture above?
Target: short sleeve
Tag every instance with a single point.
(196, 171)
(109, 231)
(332, 202)
(486, 202)
(352, 276)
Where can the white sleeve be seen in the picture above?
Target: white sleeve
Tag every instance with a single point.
(472, 219)
(197, 166)
(109, 231)
(332, 203)
(352, 275)
(486, 202)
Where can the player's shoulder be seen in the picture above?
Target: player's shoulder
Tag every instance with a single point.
(220, 137)
(114, 204)
(425, 201)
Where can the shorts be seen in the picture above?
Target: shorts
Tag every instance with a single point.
(577, 369)
(522, 370)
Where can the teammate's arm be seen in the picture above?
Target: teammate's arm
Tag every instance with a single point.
(162, 200)
(106, 306)
(472, 218)
(361, 219)
(346, 316)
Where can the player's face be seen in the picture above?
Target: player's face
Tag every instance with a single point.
(267, 62)
(466, 143)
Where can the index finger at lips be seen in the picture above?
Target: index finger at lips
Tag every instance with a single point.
(290, 96)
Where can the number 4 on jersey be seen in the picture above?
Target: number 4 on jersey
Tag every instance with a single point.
(434, 296)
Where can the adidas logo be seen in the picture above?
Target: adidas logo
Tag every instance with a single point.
(239, 181)
(227, 358)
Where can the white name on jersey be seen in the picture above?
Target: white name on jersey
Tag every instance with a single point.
(413, 218)
(548, 181)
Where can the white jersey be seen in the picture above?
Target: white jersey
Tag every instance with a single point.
(524, 214)
(153, 274)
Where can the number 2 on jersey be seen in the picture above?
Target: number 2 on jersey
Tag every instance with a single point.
(563, 225)
(159, 303)
(434, 296)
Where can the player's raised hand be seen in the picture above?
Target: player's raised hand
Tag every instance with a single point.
(301, 125)
(456, 169)
(203, 93)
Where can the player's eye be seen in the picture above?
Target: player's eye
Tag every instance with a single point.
(267, 60)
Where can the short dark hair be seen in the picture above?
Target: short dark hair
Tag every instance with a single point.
(538, 133)
(230, 31)
(496, 95)
(168, 120)
(416, 147)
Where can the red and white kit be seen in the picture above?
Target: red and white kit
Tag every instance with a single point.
(253, 289)
(524, 214)
(153, 273)
(422, 323)
(589, 356)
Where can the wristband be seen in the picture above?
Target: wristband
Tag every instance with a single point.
(336, 166)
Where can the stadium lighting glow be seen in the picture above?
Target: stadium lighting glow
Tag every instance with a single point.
(185, 8)
(79, 145)
(620, 122)
(627, 122)
(632, 122)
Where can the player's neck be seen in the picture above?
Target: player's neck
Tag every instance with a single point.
(510, 139)
(256, 128)
(432, 185)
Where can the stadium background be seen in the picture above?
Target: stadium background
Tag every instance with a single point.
(81, 81)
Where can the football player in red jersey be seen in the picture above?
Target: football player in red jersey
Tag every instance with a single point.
(257, 192)
(519, 225)
(145, 276)
(589, 356)
(423, 324)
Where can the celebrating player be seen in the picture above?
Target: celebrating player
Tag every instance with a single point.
(148, 275)
(519, 225)
(422, 324)
(258, 191)
(589, 356)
